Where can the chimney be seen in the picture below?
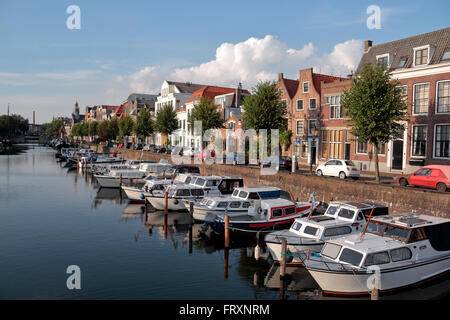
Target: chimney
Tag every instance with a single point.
(238, 95)
(280, 76)
(367, 45)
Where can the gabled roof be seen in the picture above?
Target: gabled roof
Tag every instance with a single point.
(186, 87)
(291, 86)
(404, 48)
(210, 92)
(318, 78)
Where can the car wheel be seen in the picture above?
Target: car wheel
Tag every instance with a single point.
(403, 182)
(441, 187)
(319, 173)
(342, 175)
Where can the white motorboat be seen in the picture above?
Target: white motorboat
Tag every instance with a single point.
(197, 189)
(154, 187)
(310, 233)
(239, 203)
(396, 252)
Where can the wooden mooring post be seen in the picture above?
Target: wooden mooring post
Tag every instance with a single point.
(225, 262)
(227, 231)
(374, 294)
(166, 207)
(283, 269)
(191, 223)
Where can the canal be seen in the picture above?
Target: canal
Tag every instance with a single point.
(52, 218)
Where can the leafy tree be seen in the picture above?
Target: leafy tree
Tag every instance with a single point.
(93, 128)
(84, 129)
(166, 120)
(54, 128)
(126, 126)
(103, 131)
(143, 126)
(206, 112)
(285, 139)
(113, 128)
(376, 107)
(13, 125)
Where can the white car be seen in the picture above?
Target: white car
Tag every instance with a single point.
(338, 168)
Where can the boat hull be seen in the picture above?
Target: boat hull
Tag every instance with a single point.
(173, 204)
(135, 194)
(108, 182)
(358, 283)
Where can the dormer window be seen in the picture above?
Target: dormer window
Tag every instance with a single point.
(383, 60)
(402, 62)
(446, 55)
(422, 55)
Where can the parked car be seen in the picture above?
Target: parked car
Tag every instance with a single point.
(283, 162)
(147, 147)
(338, 168)
(188, 151)
(161, 150)
(204, 153)
(433, 176)
(156, 149)
(138, 146)
(169, 150)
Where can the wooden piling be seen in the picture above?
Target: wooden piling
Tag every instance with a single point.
(166, 207)
(225, 263)
(145, 209)
(120, 186)
(374, 294)
(283, 258)
(165, 226)
(227, 231)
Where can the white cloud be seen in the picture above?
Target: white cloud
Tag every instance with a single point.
(248, 62)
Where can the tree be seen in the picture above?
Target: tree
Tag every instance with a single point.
(113, 128)
(13, 125)
(206, 112)
(103, 131)
(54, 128)
(143, 126)
(285, 139)
(93, 128)
(126, 126)
(166, 121)
(375, 107)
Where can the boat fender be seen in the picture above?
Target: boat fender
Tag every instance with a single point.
(259, 210)
(142, 196)
(176, 201)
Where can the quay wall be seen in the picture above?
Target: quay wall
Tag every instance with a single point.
(399, 199)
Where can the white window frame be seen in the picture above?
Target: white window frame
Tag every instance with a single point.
(385, 147)
(296, 128)
(436, 98)
(414, 100)
(303, 86)
(428, 57)
(296, 105)
(285, 100)
(412, 141)
(434, 140)
(334, 105)
(309, 107)
(367, 147)
(308, 131)
(385, 55)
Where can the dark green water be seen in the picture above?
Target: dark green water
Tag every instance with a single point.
(51, 218)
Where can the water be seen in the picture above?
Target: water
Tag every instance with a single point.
(51, 218)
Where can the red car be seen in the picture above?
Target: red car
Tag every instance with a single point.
(435, 176)
(205, 153)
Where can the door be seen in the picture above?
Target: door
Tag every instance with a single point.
(347, 151)
(313, 153)
(397, 155)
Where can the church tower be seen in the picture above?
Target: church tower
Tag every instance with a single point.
(76, 110)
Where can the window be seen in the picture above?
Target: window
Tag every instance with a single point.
(416, 235)
(335, 107)
(361, 147)
(446, 55)
(421, 92)
(443, 97)
(346, 213)
(421, 57)
(305, 87)
(383, 61)
(396, 233)
(235, 204)
(442, 141)
(284, 103)
(288, 211)
(296, 226)
(337, 231)
(312, 104)
(310, 230)
(299, 104)
(331, 210)
(277, 212)
(312, 127)
(375, 228)
(381, 148)
(402, 62)
(400, 254)
(197, 192)
(423, 172)
(183, 193)
(304, 149)
(350, 256)
(253, 196)
(330, 250)
(419, 141)
(377, 258)
(335, 144)
(243, 194)
(324, 144)
(245, 204)
(299, 131)
(222, 205)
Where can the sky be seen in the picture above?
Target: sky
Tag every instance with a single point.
(133, 46)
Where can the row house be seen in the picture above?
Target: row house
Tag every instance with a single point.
(302, 99)
(138, 101)
(228, 102)
(421, 64)
(175, 94)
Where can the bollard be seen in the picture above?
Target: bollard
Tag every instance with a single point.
(227, 231)
(283, 258)
(374, 294)
(166, 209)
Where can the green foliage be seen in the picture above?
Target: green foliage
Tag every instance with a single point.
(143, 126)
(126, 126)
(263, 109)
(13, 125)
(375, 107)
(103, 131)
(113, 128)
(285, 139)
(166, 120)
(206, 112)
(93, 128)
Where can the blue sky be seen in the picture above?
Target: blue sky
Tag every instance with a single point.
(126, 46)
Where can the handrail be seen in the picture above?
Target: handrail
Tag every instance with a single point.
(367, 224)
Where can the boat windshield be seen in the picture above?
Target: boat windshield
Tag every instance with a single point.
(200, 182)
(235, 193)
(351, 256)
(331, 250)
(385, 230)
(346, 213)
(331, 210)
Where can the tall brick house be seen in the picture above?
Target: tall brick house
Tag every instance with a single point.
(422, 66)
(303, 101)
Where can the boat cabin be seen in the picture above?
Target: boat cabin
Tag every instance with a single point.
(354, 211)
(225, 185)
